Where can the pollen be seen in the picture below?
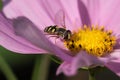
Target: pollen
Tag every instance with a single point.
(95, 41)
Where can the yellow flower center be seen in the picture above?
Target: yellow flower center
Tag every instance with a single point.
(95, 41)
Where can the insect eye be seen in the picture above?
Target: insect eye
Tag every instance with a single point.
(69, 32)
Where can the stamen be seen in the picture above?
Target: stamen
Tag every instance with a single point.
(95, 41)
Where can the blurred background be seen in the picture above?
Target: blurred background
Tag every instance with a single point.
(23, 67)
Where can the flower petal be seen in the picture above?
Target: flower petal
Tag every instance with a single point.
(13, 42)
(27, 30)
(117, 45)
(81, 60)
(112, 61)
(84, 15)
(110, 15)
(90, 11)
(5, 2)
(101, 12)
(43, 12)
(114, 66)
(71, 8)
(65, 67)
(32, 10)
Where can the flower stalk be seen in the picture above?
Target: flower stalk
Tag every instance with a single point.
(41, 67)
(6, 69)
(91, 75)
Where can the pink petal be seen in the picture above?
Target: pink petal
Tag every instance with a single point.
(81, 60)
(110, 15)
(43, 12)
(30, 9)
(14, 45)
(112, 61)
(104, 13)
(5, 2)
(65, 67)
(72, 14)
(117, 46)
(114, 66)
(89, 11)
(12, 42)
(27, 30)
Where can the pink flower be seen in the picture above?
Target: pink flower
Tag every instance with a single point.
(38, 14)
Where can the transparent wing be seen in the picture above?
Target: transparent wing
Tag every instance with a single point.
(60, 18)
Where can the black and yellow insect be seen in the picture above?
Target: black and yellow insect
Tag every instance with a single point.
(59, 32)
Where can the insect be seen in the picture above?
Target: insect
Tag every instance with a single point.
(59, 30)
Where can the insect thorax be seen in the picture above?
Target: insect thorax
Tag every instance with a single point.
(67, 35)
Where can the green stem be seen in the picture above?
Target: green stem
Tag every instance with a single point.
(91, 75)
(6, 69)
(41, 67)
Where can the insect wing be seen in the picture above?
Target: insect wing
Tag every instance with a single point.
(60, 18)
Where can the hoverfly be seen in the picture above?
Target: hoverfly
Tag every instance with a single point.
(57, 30)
